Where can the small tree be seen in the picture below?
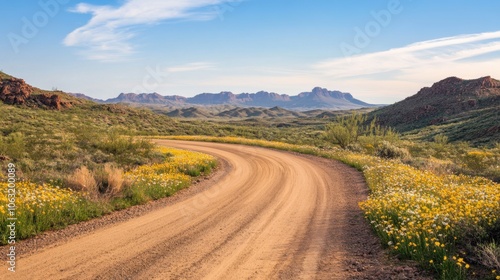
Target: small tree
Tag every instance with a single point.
(346, 129)
(388, 150)
(339, 135)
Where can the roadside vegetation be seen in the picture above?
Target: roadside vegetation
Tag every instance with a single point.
(439, 156)
(86, 194)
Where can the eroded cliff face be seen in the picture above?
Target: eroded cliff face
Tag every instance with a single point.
(16, 92)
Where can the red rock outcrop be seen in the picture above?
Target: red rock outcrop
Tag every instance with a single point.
(16, 92)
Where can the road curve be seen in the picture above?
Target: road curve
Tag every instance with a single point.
(275, 215)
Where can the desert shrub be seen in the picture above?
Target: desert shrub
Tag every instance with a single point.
(111, 181)
(83, 180)
(355, 147)
(13, 145)
(478, 160)
(339, 135)
(128, 151)
(347, 130)
(116, 179)
(434, 165)
(492, 172)
(388, 150)
(489, 255)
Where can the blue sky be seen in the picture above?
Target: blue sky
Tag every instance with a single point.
(381, 51)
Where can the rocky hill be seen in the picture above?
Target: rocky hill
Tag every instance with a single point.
(253, 112)
(318, 98)
(15, 91)
(191, 112)
(462, 109)
(143, 98)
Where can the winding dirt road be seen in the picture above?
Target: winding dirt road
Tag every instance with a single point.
(274, 215)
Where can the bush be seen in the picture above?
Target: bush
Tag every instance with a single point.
(83, 180)
(355, 147)
(434, 165)
(478, 160)
(13, 145)
(489, 255)
(107, 181)
(388, 150)
(339, 135)
(115, 179)
(347, 130)
(127, 151)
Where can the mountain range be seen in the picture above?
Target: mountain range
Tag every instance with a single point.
(318, 98)
(463, 110)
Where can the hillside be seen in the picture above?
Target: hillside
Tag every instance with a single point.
(318, 98)
(463, 110)
(48, 134)
(191, 112)
(260, 112)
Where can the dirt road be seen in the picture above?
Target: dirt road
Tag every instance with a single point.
(275, 215)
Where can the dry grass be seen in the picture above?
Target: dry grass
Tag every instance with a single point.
(102, 183)
(490, 255)
(439, 167)
(83, 180)
(115, 180)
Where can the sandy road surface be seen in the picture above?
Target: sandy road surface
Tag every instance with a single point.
(275, 215)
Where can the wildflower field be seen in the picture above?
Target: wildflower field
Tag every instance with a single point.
(424, 217)
(166, 178)
(41, 207)
(437, 220)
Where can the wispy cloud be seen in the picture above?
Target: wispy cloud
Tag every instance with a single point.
(195, 66)
(106, 36)
(422, 54)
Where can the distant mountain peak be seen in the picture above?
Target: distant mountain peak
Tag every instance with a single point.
(318, 98)
(489, 82)
(319, 90)
(448, 80)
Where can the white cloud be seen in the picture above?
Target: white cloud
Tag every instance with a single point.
(391, 75)
(414, 56)
(195, 66)
(106, 36)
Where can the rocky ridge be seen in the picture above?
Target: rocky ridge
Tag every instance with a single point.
(318, 98)
(16, 92)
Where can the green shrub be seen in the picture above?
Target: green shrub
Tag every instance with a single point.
(388, 150)
(13, 145)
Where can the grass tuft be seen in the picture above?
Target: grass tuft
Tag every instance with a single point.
(83, 180)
